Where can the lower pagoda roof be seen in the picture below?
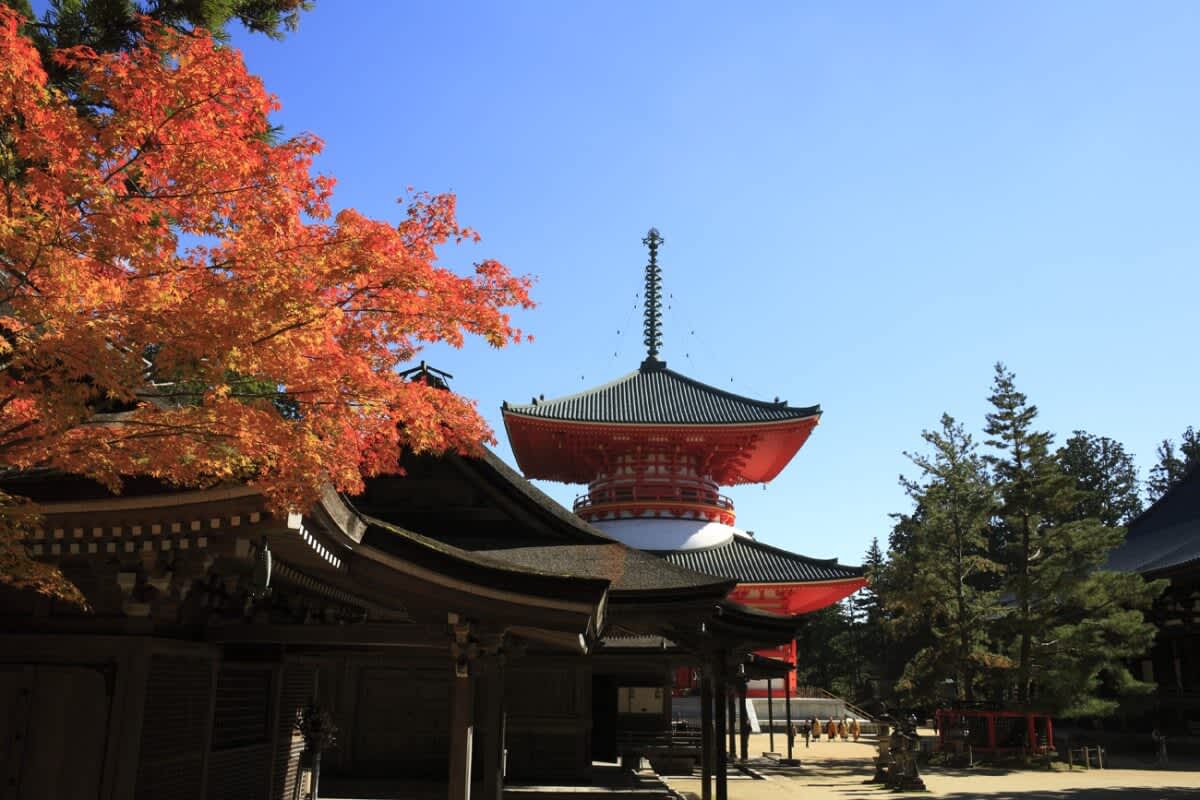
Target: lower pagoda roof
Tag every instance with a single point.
(747, 560)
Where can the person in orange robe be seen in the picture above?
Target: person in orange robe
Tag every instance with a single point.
(831, 729)
(855, 729)
(842, 729)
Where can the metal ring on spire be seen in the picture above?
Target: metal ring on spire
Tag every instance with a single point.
(653, 301)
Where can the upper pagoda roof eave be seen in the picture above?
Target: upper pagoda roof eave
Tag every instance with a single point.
(657, 396)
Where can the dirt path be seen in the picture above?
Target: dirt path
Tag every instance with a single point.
(839, 770)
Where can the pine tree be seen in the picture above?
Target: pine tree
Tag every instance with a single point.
(904, 631)
(824, 651)
(1105, 475)
(1072, 626)
(109, 26)
(944, 564)
(1172, 463)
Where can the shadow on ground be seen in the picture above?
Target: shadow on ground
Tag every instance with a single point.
(1089, 793)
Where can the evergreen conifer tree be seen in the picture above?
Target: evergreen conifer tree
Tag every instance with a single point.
(940, 576)
(108, 26)
(1071, 625)
(1172, 463)
(1105, 475)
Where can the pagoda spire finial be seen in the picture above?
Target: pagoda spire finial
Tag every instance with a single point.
(653, 301)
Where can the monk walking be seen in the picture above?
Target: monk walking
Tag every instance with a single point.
(831, 730)
(855, 729)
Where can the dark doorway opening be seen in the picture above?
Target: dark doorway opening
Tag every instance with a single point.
(604, 718)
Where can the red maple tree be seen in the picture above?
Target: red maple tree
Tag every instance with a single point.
(178, 299)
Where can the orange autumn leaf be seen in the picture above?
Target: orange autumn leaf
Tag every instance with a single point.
(162, 257)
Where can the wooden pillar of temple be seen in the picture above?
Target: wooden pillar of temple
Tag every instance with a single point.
(787, 710)
(462, 710)
(731, 704)
(492, 723)
(771, 715)
(720, 692)
(706, 733)
(743, 719)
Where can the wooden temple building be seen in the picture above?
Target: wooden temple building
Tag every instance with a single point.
(460, 630)
(654, 448)
(1164, 542)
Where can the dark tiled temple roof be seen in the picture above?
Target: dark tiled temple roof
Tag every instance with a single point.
(628, 569)
(567, 521)
(647, 642)
(481, 567)
(659, 396)
(749, 561)
(1166, 536)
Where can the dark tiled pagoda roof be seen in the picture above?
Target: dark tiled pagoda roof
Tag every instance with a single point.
(748, 561)
(1166, 536)
(655, 395)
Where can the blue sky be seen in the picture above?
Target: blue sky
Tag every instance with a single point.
(864, 205)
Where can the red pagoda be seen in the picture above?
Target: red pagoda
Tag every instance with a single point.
(655, 447)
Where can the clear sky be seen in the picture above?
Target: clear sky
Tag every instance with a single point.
(865, 206)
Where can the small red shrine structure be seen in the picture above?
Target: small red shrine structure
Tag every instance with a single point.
(655, 447)
(993, 733)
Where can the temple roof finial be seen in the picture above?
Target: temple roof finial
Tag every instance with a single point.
(653, 301)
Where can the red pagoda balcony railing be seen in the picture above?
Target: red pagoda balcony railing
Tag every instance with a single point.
(676, 499)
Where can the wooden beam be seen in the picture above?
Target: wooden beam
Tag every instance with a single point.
(462, 736)
(491, 724)
(787, 708)
(720, 688)
(462, 712)
(771, 716)
(731, 703)
(743, 719)
(426, 637)
(706, 732)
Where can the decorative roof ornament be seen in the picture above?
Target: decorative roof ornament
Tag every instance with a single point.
(430, 376)
(653, 303)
